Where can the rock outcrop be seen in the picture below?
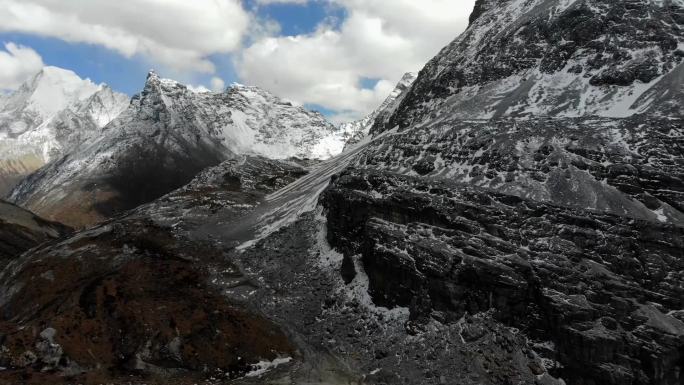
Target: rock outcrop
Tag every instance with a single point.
(603, 290)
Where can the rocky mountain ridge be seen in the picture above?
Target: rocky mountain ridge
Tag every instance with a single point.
(21, 230)
(168, 134)
(533, 58)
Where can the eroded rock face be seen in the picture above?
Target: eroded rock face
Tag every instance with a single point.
(534, 170)
(631, 167)
(127, 298)
(603, 288)
(571, 229)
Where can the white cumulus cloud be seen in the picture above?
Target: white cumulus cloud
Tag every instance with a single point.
(17, 63)
(331, 66)
(378, 39)
(180, 34)
(217, 84)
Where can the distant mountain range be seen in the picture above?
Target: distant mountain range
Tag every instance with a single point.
(167, 135)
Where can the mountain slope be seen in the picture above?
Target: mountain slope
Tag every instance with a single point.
(531, 58)
(21, 230)
(170, 294)
(167, 136)
(507, 67)
(47, 117)
(534, 171)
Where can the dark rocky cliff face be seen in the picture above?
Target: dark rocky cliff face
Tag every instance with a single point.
(481, 6)
(536, 173)
(604, 290)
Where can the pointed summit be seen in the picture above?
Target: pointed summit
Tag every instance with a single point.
(50, 91)
(152, 78)
(156, 84)
(481, 6)
(49, 115)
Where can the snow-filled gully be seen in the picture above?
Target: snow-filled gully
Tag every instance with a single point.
(282, 207)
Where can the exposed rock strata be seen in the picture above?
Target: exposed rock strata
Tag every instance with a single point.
(604, 289)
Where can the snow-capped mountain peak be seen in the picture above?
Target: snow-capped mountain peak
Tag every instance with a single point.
(103, 106)
(50, 91)
(167, 135)
(49, 115)
(264, 124)
(154, 81)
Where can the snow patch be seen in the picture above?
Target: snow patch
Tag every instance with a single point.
(660, 215)
(261, 367)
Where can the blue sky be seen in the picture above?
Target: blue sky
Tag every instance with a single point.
(127, 75)
(297, 19)
(341, 57)
(89, 61)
